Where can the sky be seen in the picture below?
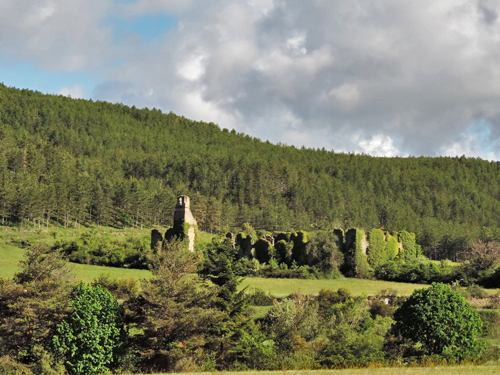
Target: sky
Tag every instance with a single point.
(380, 77)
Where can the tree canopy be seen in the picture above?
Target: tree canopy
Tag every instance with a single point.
(440, 320)
(73, 162)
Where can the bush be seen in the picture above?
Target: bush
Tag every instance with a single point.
(475, 291)
(441, 321)
(290, 321)
(119, 288)
(327, 298)
(382, 309)
(296, 273)
(89, 338)
(257, 297)
(102, 251)
(357, 347)
(10, 367)
(376, 253)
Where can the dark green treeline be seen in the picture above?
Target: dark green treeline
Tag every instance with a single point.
(81, 162)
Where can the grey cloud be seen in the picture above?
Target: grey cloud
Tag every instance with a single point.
(56, 34)
(386, 77)
(420, 72)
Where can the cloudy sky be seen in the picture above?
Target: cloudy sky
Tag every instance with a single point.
(387, 78)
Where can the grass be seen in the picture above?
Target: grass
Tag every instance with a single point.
(10, 256)
(284, 287)
(11, 238)
(87, 273)
(448, 370)
(260, 311)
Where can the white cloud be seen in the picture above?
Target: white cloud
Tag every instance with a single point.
(75, 92)
(419, 71)
(378, 145)
(57, 35)
(296, 45)
(192, 69)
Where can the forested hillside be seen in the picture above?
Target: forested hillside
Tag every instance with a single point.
(78, 162)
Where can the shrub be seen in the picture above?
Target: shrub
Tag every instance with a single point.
(10, 367)
(381, 309)
(90, 337)
(392, 247)
(409, 246)
(483, 255)
(299, 251)
(376, 253)
(263, 250)
(284, 251)
(357, 347)
(32, 304)
(441, 321)
(327, 298)
(119, 288)
(291, 319)
(257, 297)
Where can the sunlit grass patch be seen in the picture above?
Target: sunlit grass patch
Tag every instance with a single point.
(284, 287)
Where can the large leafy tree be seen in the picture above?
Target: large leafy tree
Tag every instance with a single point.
(90, 338)
(440, 321)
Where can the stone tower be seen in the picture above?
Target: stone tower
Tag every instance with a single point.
(183, 216)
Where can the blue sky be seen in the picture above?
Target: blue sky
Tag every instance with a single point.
(149, 27)
(382, 77)
(27, 74)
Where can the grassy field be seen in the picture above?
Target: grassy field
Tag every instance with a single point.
(451, 370)
(11, 254)
(9, 259)
(283, 287)
(49, 236)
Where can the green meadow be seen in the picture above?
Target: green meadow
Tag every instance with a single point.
(284, 287)
(11, 254)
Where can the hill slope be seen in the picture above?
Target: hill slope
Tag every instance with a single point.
(78, 161)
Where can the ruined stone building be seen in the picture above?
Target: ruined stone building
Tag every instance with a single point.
(184, 225)
(184, 217)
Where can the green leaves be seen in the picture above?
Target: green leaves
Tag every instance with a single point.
(376, 253)
(439, 320)
(91, 336)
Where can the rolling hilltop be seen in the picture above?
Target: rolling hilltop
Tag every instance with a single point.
(79, 162)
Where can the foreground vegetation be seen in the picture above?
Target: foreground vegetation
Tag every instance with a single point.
(192, 315)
